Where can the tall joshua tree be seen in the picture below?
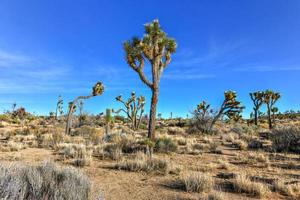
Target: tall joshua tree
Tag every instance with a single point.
(134, 109)
(157, 48)
(257, 98)
(98, 89)
(230, 107)
(270, 98)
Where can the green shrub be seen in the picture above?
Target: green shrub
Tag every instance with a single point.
(165, 145)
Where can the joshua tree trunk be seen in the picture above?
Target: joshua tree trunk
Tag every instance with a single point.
(154, 101)
(215, 119)
(255, 117)
(269, 118)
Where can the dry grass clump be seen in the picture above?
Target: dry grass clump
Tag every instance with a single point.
(175, 131)
(182, 141)
(165, 145)
(255, 144)
(113, 151)
(50, 139)
(286, 139)
(142, 162)
(254, 158)
(15, 146)
(80, 153)
(242, 184)
(215, 196)
(197, 182)
(291, 190)
(230, 137)
(240, 144)
(47, 181)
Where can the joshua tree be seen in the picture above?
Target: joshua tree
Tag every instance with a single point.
(171, 115)
(257, 98)
(98, 89)
(230, 107)
(270, 98)
(59, 107)
(134, 109)
(156, 47)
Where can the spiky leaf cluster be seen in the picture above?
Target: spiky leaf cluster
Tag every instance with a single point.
(98, 89)
(231, 107)
(155, 46)
(270, 97)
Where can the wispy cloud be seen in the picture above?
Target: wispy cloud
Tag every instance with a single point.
(264, 68)
(187, 76)
(20, 73)
(11, 59)
(189, 64)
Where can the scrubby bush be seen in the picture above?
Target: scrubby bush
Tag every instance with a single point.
(198, 182)
(47, 181)
(286, 139)
(165, 145)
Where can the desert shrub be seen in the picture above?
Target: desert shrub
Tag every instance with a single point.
(113, 151)
(291, 190)
(142, 162)
(4, 117)
(15, 146)
(98, 151)
(200, 146)
(47, 181)
(242, 184)
(215, 196)
(286, 139)
(50, 138)
(228, 137)
(181, 141)
(165, 145)
(240, 144)
(175, 131)
(255, 144)
(213, 146)
(84, 131)
(80, 154)
(197, 182)
(243, 129)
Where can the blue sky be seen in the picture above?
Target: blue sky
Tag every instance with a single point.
(54, 47)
